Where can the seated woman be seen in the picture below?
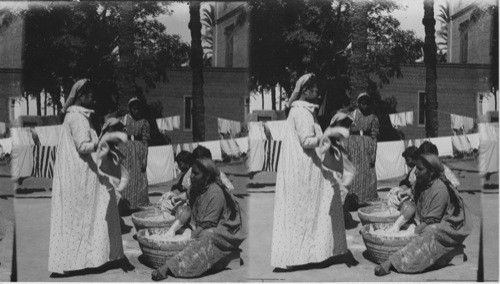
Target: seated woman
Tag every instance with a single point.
(172, 199)
(410, 155)
(443, 222)
(215, 219)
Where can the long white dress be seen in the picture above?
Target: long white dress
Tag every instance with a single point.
(308, 219)
(84, 222)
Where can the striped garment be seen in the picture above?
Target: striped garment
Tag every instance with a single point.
(44, 158)
(272, 149)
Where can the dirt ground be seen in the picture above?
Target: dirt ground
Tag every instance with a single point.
(7, 221)
(261, 189)
(33, 237)
(32, 208)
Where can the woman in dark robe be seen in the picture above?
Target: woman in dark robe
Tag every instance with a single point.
(443, 222)
(136, 158)
(362, 149)
(215, 220)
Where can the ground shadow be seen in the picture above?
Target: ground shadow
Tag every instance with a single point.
(123, 264)
(29, 190)
(347, 259)
(260, 185)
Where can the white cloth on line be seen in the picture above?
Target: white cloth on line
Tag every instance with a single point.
(49, 135)
(444, 145)
(474, 140)
(277, 129)
(256, 130)
(488, 156)
(3, 128)
(168, 123)
(161, 167)
(461, 122)
(6, 144)
(488, 131)
(401, 119)
(21, 136)
(22, 161)
(255, 155)
(461, 143)
(390, 162)
(230, 147)
(242, 144)
(229, 126)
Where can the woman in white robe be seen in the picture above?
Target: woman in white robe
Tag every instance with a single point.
(308, 222)
(84, 224)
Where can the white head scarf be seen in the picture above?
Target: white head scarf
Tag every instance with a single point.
(72, 95)
(298, 88)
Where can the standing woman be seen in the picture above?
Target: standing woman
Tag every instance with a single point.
(84, 221)
(362, 149)
(305, 230)
(136, 158)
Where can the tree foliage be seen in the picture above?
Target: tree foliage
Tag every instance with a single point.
(68, 41)
(208, 22)
(292, 37)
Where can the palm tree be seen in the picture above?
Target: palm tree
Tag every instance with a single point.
(359, 38)
(196, 64)
(125, 75)
(444, 18)
(430, 60)
(208, 21)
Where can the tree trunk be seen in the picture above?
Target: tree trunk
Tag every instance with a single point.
(44, 103)
(262, 93)
(359, 37)
(281, 98)
(27, 97)
(197, 68)
(38, 103)
(125, 73)
(430, 59)
(273, 97)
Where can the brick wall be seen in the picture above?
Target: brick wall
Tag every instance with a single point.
(224, 93)
(11, 41)
(457, 88)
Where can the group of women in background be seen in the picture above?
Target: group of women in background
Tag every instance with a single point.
(85, 227)
(308, 217)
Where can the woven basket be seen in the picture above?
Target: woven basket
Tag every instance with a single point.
(379, 248)
(157, 252)
(143, 219)
(368, 215)
(149, 207)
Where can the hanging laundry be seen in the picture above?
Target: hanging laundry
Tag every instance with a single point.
(461, 143)
(242, 144)
(213, 146)
(6, 144)
(161, 165)
(461, 122)
(230, 147)
(22, 136)
(169, 123)
(22, 161)
(227, 126)
(255, 155)
(277, 129)
(3, 128)
(272, 151)
(401, 119)
(48, 135)
(256, 130)
(44, 158)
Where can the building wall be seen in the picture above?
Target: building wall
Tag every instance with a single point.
(457, 89)
(227, 14)
(11, 63)
(224, 97)
(479, 42)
